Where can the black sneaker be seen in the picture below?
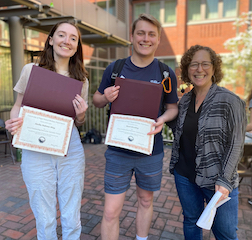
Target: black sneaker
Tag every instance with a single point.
(250, 201)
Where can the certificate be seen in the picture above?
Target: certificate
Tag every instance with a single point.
(130, 132)
(43, 131)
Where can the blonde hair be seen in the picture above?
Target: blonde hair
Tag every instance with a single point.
(148, 18)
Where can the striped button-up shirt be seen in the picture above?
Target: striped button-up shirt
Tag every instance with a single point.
(220, 138)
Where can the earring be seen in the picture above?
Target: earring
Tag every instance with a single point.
(182, 90)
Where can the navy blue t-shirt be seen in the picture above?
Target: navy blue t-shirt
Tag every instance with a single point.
(150, 73)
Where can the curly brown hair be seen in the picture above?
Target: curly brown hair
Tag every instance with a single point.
(76, 65)
(187, 58)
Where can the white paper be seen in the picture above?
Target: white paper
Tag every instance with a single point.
(43, 131)
(206, 218)
(130, 132)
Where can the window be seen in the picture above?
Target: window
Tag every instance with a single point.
(170, 11)
(112, 7)
(164, 10)
(138, 9)
(211, 9)
(194, 10)
(200, 10)
(31, 33)
(6, 92)
(229, 8)
(155, 10)
(169, 62)
(102, 4)
(107, 5)
(4, 34)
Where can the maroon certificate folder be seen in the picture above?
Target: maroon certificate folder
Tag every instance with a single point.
(137, 98)
(50, 91)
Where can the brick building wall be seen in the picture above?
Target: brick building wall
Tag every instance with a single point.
(178, 37)
(175, 40)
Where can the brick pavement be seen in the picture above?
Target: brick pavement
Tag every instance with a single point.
(17, 220)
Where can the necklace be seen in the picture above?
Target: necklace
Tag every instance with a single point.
(200, 99)
(64, 73)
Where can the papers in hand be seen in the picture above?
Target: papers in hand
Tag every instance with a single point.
(206, 218)
(130, 132)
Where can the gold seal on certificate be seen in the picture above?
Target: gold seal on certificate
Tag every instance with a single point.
(43, 131)
(130, 132)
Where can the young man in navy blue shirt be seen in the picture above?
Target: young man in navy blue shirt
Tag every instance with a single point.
(122, 163)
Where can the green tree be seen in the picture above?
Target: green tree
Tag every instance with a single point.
(238, 65)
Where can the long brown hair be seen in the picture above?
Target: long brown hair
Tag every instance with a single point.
(76, 65)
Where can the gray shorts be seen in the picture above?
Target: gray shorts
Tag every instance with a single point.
(121, 166)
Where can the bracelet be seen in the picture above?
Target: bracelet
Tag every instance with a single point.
(79, 121)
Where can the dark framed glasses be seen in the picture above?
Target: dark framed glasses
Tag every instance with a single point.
(195, 65)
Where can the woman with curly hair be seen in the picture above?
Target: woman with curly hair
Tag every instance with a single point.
(208, 144)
